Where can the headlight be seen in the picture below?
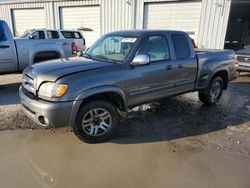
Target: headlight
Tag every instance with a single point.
(50, 89)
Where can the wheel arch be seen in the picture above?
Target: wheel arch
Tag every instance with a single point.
(224, 75)
(46, 55)
(110, 94)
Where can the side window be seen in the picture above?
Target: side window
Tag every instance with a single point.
(38, 35)
(2, 35)
(52, 34)
(71, 35)
(41, 35)
(67, 34)
(181, 47)
(35, 35)
(156, 47)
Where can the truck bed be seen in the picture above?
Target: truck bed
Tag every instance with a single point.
(211, 60)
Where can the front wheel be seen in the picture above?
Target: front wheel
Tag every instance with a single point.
(96, 121)
(212, 94)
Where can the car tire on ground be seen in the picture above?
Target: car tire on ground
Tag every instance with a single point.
(212, 94)
(96, 122)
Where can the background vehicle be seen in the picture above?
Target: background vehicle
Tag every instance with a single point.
(122, 70)
(243, 57)
(17, 54)
(57, 34)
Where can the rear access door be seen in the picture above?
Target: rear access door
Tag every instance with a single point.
(185, 60)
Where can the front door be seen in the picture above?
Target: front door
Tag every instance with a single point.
(152, 81)
(8, 60)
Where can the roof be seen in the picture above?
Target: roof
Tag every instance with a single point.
(24, 1)
(144, 31)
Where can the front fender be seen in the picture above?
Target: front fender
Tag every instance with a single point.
(90, 92)
(102, 89)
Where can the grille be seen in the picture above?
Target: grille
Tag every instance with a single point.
(28, 86)
(28, 93)
(243, 58)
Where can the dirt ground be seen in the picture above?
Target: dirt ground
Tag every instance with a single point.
(175, 142)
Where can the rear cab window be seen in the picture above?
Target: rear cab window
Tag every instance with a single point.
(71, 35)
(53, 35)
(156, 47)
(181, 46)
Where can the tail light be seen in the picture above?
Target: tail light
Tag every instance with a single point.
(74, 48)
(235, 62)
(84, 42)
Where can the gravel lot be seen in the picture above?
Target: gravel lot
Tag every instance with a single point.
(169, 119)
(11, 116)
(159, 145)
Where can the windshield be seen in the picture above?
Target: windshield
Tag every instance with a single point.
(112, 48)
(25, 34)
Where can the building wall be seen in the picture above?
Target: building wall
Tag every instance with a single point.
(128, 14)
(213, 23)
(115, 14)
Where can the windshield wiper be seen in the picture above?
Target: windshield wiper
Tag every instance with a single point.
(87, 56)
(101, 57)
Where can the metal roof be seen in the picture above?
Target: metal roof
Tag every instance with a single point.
(26, 1)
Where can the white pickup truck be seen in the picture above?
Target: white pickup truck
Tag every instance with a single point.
(17, 54)
(57, 34)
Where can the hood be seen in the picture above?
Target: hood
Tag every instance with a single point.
(55, 69)
(245, 52)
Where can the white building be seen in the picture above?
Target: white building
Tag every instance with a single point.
(207, 21)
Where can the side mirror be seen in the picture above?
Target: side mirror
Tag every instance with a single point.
(31, 37)
(142, 59)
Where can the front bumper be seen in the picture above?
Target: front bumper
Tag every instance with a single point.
(245, 67)
(46, 114)
(233, 76)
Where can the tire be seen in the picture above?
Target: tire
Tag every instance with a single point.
(213, 93)
(96, 122)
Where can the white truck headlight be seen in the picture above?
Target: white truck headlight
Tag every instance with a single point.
(50, 89)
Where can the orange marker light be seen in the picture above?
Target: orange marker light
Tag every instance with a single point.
(61, 90)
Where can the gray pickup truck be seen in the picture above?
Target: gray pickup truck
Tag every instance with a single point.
(120, 71)
(17, 54)
(243, 56)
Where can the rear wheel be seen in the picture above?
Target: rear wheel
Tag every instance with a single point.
(96, 121)
(212, 94)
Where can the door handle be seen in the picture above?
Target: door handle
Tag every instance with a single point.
(4, 46)
(180, 66)
(169, 67)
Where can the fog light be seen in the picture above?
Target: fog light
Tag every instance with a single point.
(43, 120)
